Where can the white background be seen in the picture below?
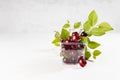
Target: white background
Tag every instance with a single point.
(26, 32)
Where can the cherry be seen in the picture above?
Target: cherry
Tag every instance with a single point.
(65, 60)
(71, 45)
(84, 34)
(82, 61)
(80, 46)
(70, 39)
(81, 57)
(75, 34)
(66, 45)
(72, 53)
(67, 40)
(74, 47)
(75, 37)
(68, 60)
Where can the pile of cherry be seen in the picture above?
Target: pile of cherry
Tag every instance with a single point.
(72, 48)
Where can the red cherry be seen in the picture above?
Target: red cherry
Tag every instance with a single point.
(76, 38)
(74, 47)
(70, 39)
(81, 57)
(67, 41)
(73, 53)
(65, 44)
(75, 34)
(63, 41)
(80, 46)
(67, 47)
(65, 60)
(82, 62)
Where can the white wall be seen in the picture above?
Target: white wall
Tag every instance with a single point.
(45, 15)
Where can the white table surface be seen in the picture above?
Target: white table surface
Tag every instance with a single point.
(33, 57)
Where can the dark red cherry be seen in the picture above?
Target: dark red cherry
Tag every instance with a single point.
(82, 62)
(81, 57)
(65, 44)
(63, 40)
(80, 46)
(76, 39)
(73, 53)
(67, 40)
(75, 34)
(73, 46)
(67, 47)
(70, 39)
(65, 60)
(84, 34)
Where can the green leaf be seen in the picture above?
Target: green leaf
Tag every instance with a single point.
(89, 34)
(96, 53)
(87, 26)
(87, 54)
(97, 32)
(93, 18)
(65, 34)
(77, 25)
(101, 30)
(84, 39)
(94, 57)
(104, 26)
(86, 49)
(88, 39)
(67, 25)
(93, 44)
(56, 42)
(57, 34)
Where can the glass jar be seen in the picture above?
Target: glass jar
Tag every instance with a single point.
(71, 52)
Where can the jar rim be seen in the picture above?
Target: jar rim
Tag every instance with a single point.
(72, 43)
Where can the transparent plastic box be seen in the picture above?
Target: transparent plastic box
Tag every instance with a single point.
(71, 52)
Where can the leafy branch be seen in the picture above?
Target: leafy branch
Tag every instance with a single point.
(91, 28)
